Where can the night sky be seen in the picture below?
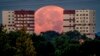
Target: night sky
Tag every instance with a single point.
(66, 4)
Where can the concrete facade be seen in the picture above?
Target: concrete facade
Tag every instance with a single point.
(16, 20)
(80, 20)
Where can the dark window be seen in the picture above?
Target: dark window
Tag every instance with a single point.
(13, 28)
(80, 27)
(77, 15)
(12, 18)
(9, 18)
(86, 11)
(83, 14)
(86, 21)
(9, 22)
(86, 27)
(12, 15)
(86, 30)
(83, 30)
(86, 14)
(12, 22)
(83, 17)
(8, 15)
(86, 17)
(77, 28)
(9, 28)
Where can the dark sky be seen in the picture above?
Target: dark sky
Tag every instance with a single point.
(66, 4)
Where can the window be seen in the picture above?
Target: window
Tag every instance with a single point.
(8, 15)
(77, 28)
(86, 17)
(86, 21)
(12, 22)
(86, 27)
(86, 14)
(83, 14)
(12, 15)
(83, 30)
(80, 17)
(80, 27)
(9, 28)
(77, 18)
(86, 30)
(93, 27)
(9, 22)
(86, 11)
(83, 17)
(13, 28)
(76, 14)
(12, 18)
(77, 21)
(9, 18)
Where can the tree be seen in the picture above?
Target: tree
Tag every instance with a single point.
(75, 35)
(43, 47)
(49, 35)
(61, 44)
(24, 45)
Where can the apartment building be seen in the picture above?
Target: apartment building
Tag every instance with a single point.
(80, 20)
(16, 20)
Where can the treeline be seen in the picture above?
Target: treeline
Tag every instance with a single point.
(50, 43)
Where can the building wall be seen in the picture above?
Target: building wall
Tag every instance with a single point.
(24, 19)
(8, 20)
(80, 20)
(16, 20)
(84, 21)
(69, 19)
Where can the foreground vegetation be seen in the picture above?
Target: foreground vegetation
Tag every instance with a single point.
(50, 43)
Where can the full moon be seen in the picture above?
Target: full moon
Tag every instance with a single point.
(49, 18)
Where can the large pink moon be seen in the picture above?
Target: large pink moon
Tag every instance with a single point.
(49, 18)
